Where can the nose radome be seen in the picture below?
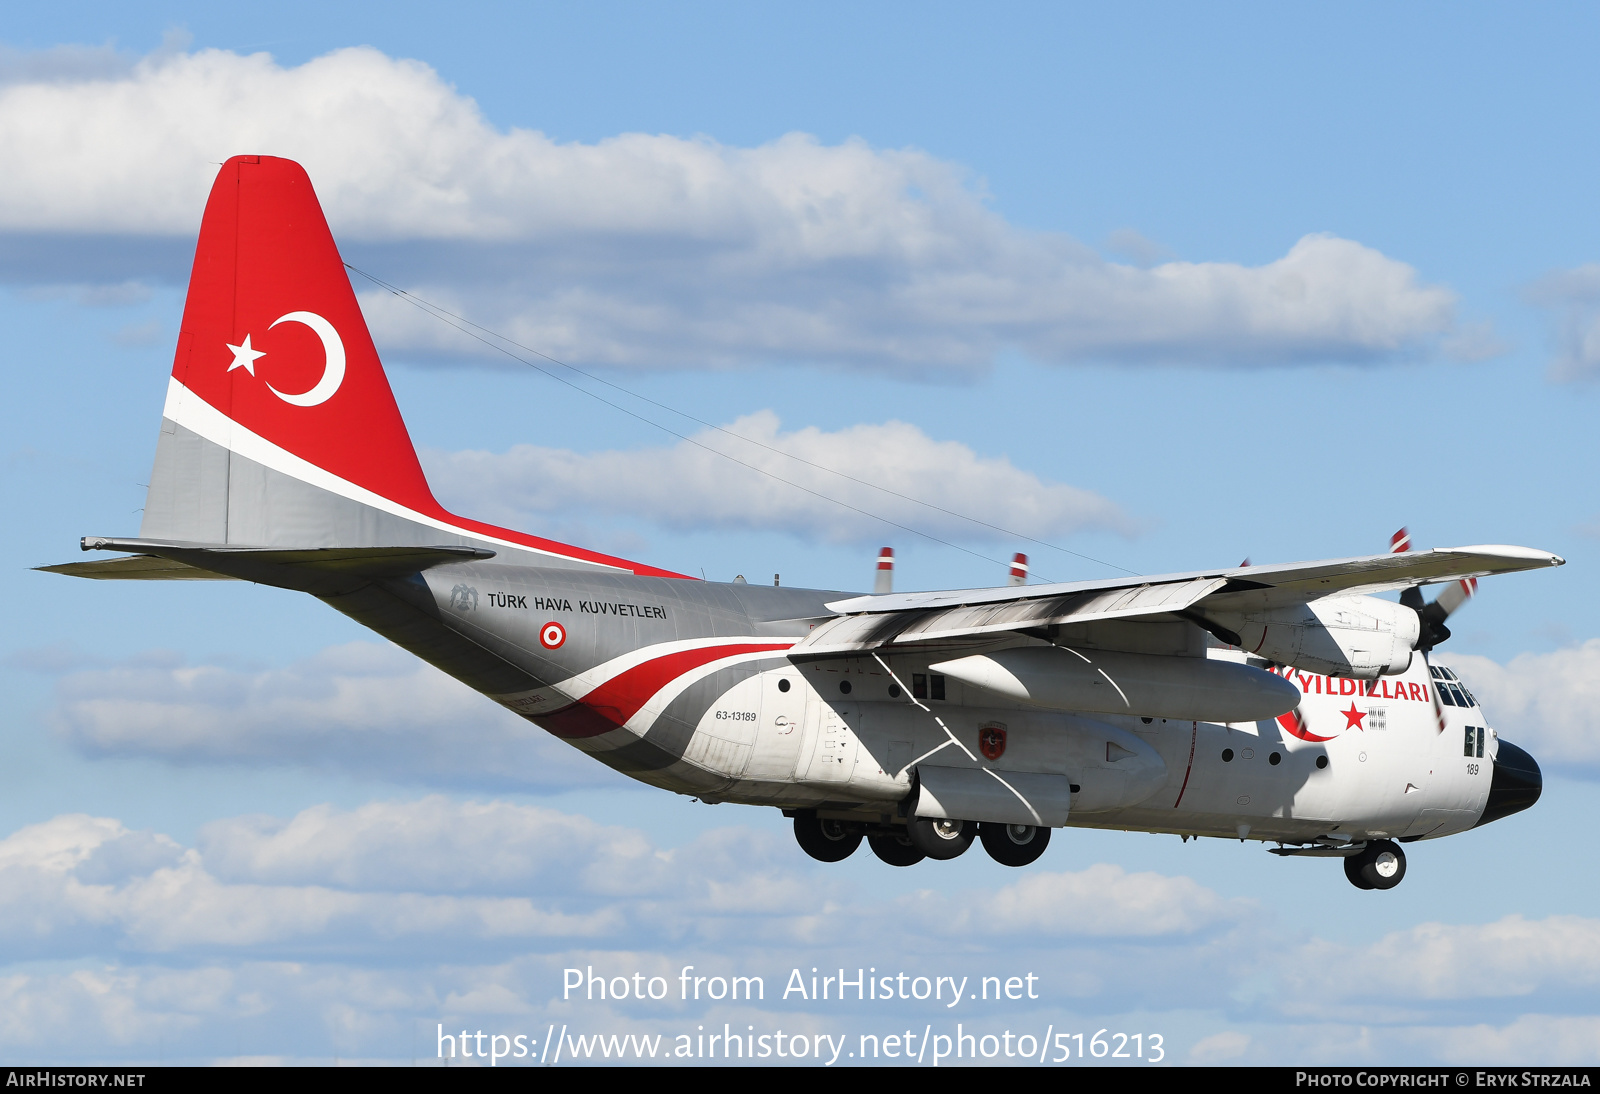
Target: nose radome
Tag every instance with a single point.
(1517, 783)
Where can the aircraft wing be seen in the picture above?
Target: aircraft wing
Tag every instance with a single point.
(874, 622)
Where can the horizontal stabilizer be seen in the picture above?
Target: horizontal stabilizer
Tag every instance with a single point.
(134, 568)
(323, 571)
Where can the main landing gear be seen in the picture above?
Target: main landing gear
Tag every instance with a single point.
(830, 840)
(1379, 865)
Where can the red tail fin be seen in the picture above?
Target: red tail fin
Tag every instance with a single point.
(275, 365)
(274, 339)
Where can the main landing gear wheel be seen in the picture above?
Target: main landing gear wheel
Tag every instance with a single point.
(826, 840)
(938, 838)
(1380, 865)
(1013, 844)
(896, 850)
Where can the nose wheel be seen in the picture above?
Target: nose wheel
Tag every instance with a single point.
(1379, 865)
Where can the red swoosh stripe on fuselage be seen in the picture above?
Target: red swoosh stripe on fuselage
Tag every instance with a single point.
(1294, 722)
(610, 705)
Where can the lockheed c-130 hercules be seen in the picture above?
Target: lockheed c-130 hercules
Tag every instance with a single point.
(1285, 703)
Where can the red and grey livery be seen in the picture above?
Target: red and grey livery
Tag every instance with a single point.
(1280, 703)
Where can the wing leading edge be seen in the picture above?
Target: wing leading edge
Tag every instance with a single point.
(873, 622)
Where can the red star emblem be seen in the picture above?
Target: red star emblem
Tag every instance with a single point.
(1352, 717)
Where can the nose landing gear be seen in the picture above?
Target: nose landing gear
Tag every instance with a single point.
(1379, 865)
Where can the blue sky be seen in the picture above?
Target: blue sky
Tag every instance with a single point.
(1164, 287)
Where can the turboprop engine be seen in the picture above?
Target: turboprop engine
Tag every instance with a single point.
(1148, 685)
(1359, 636)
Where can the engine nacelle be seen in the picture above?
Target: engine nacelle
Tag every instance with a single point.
(1358, 636)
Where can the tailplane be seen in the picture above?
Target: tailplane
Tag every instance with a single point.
(280, 431)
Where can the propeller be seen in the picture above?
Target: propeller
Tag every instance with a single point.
(883, 583)
(1432, 616)
(1018, 575)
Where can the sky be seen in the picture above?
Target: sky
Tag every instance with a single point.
(1149, 288)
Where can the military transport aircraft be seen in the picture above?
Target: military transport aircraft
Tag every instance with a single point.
(1285, 704)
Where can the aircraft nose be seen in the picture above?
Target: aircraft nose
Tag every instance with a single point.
(1517, 783)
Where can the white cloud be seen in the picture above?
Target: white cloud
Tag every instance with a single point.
(659, 250)
(687, 487)
(363, 708)
(1547, 1038)
(435, 845)
(434, 876)
(1547, 703)
(1510, 957)
(352, 932)
(1220, 1047)
(1574, 296)
(1103, 901)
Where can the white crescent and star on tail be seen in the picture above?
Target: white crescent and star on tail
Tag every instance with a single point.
(244, 356)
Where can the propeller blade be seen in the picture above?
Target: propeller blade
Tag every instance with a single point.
(883, 583)
(1019, 570)
(1432, 615)
(1457, 594)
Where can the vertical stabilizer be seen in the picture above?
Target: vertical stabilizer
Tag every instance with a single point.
(280, 428)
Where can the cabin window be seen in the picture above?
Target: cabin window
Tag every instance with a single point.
(936, 686)
(919, 685)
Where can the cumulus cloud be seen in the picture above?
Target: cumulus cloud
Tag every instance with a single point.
(1573, 298)
(356, 932)
(658, 250)
(364, 709)
(1510, 957)
(1543, 702)
(439, 878)
(434, 845)
(1101, 901)
(688, 486)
